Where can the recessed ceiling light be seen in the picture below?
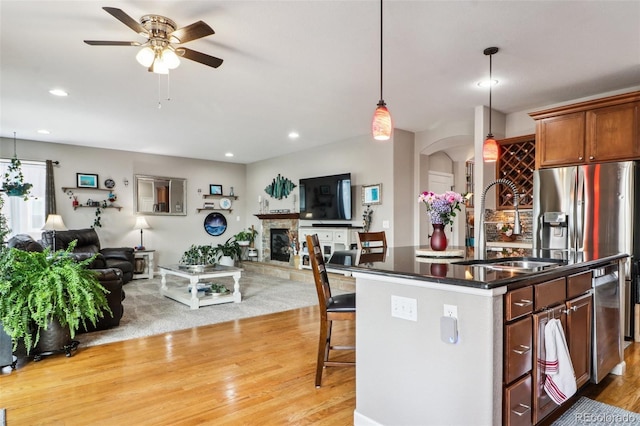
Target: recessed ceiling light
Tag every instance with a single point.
(229, 154)
(44, 132)
(294, 135)
(58, 92)
(485, 83)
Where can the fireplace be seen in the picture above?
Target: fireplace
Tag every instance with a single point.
(280, 244)
(274, 241)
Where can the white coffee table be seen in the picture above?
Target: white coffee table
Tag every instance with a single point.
(180, 293)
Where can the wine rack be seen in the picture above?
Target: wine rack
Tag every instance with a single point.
(516, 162)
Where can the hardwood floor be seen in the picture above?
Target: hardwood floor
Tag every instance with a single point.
(252, 371)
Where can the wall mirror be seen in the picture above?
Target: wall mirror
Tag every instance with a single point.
(156, 195)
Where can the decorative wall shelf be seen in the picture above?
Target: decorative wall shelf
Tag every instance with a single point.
(235, 197)
(74, 188)
(201, 209)
(95, 207)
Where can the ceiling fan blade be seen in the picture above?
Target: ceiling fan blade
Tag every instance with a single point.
(112, 43)
(127, 20)
(203, 58)
(191, 32)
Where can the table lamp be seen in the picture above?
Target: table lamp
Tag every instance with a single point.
(54, 223)
(141, 223)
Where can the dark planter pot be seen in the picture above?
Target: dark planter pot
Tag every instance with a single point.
(6, 349)
(54, 340)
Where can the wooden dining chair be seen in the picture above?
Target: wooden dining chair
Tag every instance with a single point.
(372, 239)
(332, 308)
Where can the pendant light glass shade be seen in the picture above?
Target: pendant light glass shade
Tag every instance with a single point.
(382, 125)
(170, 59)
(490, 150)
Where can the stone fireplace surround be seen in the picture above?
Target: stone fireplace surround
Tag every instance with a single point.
(274, 221)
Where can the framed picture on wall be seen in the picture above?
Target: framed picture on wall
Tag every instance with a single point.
(371, 194)
(215, 189)
(86, 180)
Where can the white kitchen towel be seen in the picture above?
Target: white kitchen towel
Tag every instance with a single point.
(560, 381)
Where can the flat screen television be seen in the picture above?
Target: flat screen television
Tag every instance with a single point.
(326, 197)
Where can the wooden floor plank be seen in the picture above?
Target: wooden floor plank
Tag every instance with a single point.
(251, 371)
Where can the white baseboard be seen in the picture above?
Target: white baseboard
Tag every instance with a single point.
(360, 420)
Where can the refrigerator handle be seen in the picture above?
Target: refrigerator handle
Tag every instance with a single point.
(579, 212)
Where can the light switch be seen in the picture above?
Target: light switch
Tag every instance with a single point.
(385, 224)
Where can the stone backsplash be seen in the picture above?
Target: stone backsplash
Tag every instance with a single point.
(493, 217)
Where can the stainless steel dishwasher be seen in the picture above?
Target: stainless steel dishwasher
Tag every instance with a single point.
(607, 336)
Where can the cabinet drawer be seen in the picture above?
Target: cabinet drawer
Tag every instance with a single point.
(340, 236)
(578, 284)
(550, 293)
(325, 236)
(517, 403)
(519, 302)
(518, 344)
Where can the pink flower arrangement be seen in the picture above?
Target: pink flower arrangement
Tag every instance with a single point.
(441, 207)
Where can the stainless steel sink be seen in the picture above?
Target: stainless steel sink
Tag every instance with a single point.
(515, 265)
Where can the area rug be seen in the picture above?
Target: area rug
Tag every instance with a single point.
(588, 412)
(147, 313)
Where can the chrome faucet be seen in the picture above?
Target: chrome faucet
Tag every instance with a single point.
(517, 227)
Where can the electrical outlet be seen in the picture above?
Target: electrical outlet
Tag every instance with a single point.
(404, 308)
(385, 224)
(451, 311)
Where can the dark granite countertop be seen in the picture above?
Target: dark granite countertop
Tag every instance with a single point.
(402, 262)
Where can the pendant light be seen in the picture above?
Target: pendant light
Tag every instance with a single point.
(490, 146)
(382, 125)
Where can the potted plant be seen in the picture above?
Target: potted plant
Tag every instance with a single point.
(13, 182)
(230, 251)
(198, 257)
(246, 238)
(39, 290)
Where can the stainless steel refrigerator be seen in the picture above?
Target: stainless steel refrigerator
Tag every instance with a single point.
(582, 212)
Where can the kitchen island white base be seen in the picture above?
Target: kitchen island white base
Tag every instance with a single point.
(405, 372)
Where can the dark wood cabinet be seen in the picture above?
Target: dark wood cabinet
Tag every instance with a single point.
(599, 130)
(579, 336)
(527, 311)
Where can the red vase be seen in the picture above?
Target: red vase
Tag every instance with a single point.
(438, 238)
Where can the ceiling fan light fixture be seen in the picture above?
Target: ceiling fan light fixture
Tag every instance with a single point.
(145, 56)
(382, 125)
(170, 59)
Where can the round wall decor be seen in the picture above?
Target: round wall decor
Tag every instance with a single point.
(225, 203)
(215, 224)
(109, 183)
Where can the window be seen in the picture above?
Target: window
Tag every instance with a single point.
(27, 217)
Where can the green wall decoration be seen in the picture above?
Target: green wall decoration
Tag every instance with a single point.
(280, 187)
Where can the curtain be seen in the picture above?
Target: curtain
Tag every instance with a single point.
(50, 190)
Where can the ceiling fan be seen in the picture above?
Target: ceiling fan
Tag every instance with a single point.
(159, 53)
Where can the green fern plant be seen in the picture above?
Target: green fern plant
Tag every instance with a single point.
(37, 287)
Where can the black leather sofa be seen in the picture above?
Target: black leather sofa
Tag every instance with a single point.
(89, 244)
(110, 278)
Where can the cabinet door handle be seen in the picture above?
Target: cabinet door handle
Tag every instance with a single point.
(592, 158)
(523, 412)
(524, 350)
(575, 308)
(523, 302)
(580, 158)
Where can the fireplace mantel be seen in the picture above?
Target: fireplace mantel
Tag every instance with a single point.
(278, 216)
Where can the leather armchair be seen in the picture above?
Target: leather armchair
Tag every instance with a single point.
(110, 278)
(89, 244)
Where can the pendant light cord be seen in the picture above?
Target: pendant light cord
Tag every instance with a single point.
(490, 86)
(15, 151)
(381, 98)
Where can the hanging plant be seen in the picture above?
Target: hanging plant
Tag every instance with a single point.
(13, 183)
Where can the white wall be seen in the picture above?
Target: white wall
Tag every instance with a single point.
(170, 235)
(368, 161)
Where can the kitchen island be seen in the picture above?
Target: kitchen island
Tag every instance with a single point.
(415, 366)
